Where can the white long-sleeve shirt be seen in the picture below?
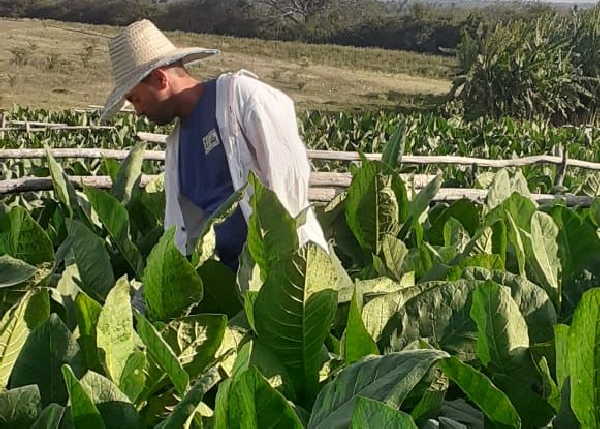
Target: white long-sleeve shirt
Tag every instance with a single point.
(257, 124)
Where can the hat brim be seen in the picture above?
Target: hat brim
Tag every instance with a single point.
(116, 99)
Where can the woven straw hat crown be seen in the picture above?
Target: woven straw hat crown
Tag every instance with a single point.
(135, 52)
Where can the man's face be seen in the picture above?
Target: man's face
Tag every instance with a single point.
(151, 98)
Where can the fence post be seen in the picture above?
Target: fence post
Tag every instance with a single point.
(474, 171)
(561, 170)
(2, 124)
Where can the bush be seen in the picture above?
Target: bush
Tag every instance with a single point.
(543, 67)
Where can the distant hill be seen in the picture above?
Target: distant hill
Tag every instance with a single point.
(567, 4)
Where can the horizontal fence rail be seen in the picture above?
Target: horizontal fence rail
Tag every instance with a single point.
(330, 181)
(332, 155)
(84, 153)
(14, 125)
(316, 194)
(63, 128)
(326, 155)
(323, 185)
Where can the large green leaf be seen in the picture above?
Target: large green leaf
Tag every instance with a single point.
(14, 331)
(19, 407)
(501, 327)
(515, 212)
(392, 151)
(384, 304)
(195, 340)
(333, 221)
(455, 235)
(129, 174)
(566, 418)
(222, 405)
(421, 201)
(543, 248)
(115, 335)
(66, 292)
(499, 189)
(182, 415)
(14, 271)
(464, 211)
(253, 353)
(63, 189)
(388, 378)
(480, 390)
(205, 246)
(171, 284)
(114, 406)
(84, 413)
(534, 410)
(393, 252)
(253, 403)
(133, 376)
(272, 232)
(503, 186)
(221, 293)
(374, 287)
(25, 239)
(162, 354)
(584, 360)
(579, 250)
(533, 302)
(294, 311)
(376, 205)
(88, 312)
(93, 262)
(115, 218)
(517, 240)
(357, 342)
(561, 344)
(369, 414)
(38, 309)
(153, 199)
(47, 348)
(50, 417)
(439, 313)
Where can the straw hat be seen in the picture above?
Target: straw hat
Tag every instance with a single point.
(138, 50)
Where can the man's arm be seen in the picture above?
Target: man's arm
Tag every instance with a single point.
(271, 131)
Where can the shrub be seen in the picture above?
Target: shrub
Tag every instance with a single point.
(529, 69)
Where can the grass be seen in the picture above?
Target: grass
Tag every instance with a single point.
(55, 65)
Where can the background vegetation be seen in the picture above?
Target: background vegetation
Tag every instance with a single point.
(392, 25)
(545, 67)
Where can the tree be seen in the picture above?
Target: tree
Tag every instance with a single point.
(302, 11)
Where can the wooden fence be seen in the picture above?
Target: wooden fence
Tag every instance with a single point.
(323, 185)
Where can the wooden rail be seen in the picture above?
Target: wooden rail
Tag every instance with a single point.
(326, 155)
(316, 194)
(330, 155)
(64, 128)
(159, 155)
(323, 185)
(85, 153)
(318, 180)
(14, 125)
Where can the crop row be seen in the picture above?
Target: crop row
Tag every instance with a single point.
(463, 315)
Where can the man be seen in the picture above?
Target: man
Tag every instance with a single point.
(225, 128)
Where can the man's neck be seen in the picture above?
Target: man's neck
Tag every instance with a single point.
(189, 92)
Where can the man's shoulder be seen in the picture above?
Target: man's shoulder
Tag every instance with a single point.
(249, 86)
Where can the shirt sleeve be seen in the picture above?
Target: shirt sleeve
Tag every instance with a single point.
(270, 128)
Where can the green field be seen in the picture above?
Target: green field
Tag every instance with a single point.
(421, 314)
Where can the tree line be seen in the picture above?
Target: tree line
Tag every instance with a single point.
(400, 24)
